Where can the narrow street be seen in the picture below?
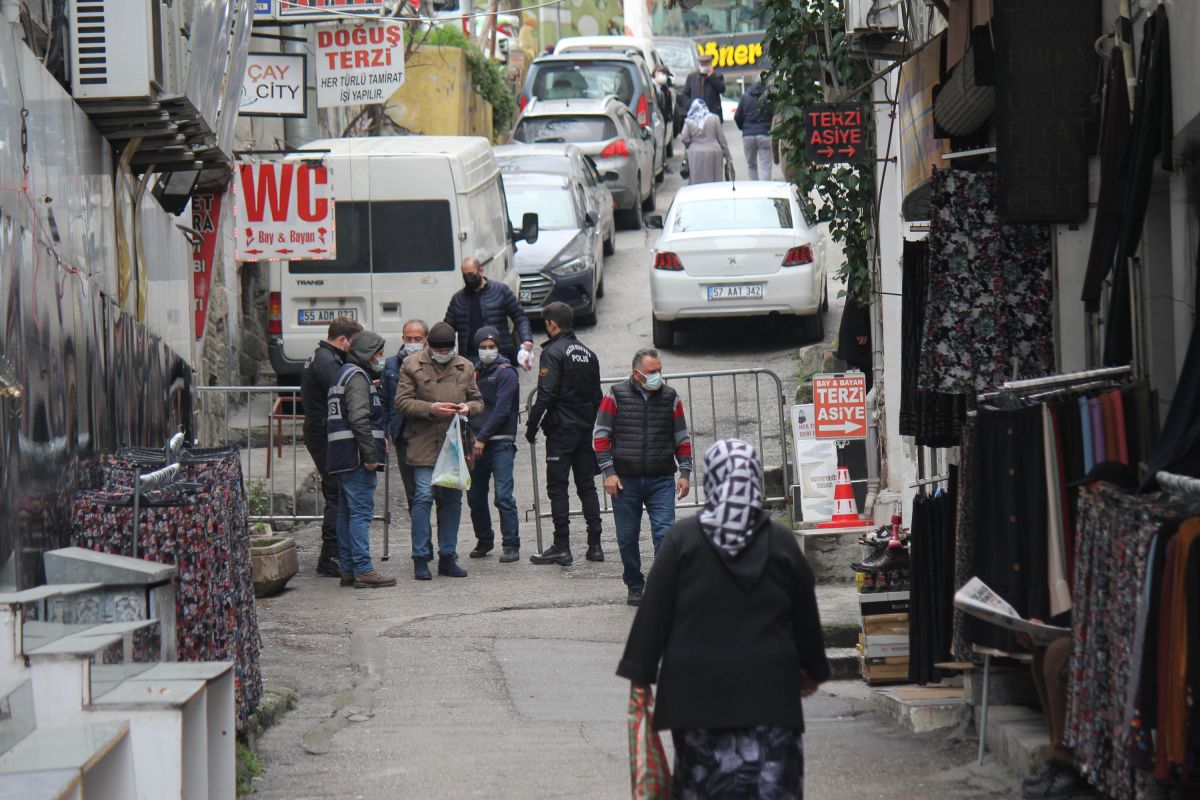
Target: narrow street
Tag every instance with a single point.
(502, 685)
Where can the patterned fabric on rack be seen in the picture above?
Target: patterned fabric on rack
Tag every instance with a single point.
(990, 290)
(964, 539)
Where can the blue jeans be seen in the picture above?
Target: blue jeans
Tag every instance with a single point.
(657, 496)
(449, 513)
(496, 461)
(356, 507)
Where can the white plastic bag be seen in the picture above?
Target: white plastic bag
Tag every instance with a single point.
(451, 471)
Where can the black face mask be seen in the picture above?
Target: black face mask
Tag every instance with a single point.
(473, 281)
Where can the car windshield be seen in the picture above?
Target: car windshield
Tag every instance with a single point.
(592, 128)
(587, 80)
(733, 213)
(680, 57)
(552, 204)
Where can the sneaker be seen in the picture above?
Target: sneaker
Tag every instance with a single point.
(347, 578)
(555, 554)
(510, 555)
(448, 567)
(481, 549)
(372, 580)
(634, 598)
(595, 553)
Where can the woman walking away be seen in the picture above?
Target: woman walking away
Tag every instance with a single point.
(707, 150)
(730, 610)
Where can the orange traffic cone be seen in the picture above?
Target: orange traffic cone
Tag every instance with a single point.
(845, 509)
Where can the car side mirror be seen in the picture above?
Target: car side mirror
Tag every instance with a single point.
(589, 219)
(529, 227)
(646, 134)
(653, 221)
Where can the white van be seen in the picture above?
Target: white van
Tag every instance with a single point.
(408, 209)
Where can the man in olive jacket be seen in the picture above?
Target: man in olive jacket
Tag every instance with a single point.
(435, 384)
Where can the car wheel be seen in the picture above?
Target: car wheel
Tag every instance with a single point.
(600, 288)
(661, 176)
(825, 299)
(610, 245)
(649, 203)
(664, 333)
(813, 327)
(629, 218)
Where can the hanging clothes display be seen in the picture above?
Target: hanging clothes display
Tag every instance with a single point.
(964, 540)
(988, 308)
(931, 551)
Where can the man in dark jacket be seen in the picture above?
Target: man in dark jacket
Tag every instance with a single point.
(568, 394)
(706, 85)
(320, 371)
(753, 118)
(640, 436)
(482, 302)
(495, 449)
(357, 451)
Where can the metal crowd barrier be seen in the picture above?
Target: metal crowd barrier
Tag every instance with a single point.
(715, 421)
(270, 418)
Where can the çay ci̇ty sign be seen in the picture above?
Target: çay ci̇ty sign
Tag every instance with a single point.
(834, 134)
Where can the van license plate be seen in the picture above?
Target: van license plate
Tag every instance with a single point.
(324, 316)
(525, 296)
(741, 291)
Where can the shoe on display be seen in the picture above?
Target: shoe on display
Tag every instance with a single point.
(510, 555)
(1061, 783)
(595, 553)
(372, 580)
(555, 554)
(421, 570)
(481, 549)
(634, 598)
(448, 566)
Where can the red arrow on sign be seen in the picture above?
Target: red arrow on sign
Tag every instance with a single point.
(284, 250)
(842, 427)
(848, 151)
(827, 152)
(317, 250)
(252, 252)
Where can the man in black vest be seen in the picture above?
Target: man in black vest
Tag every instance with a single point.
(320, 371)
(640, 436)
(568, 395)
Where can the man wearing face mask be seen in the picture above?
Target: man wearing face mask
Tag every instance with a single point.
(666, 97)
(482, 302)
(434, 385)
(320, 371)
(413, 342)
(640, 436)
(357, 451)
(495, 449)
(707, 85)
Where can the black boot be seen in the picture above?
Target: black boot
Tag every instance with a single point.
(448, 566)
(327, 564)
(481, 549)
(555, 554)
(595, 552)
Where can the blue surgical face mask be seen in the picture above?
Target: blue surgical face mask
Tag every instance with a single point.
(488, 354)
(653, 381)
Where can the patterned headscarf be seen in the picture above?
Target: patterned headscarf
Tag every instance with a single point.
(698, 112)
(733, 494)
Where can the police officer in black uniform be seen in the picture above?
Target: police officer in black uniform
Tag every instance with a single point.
(568, 396)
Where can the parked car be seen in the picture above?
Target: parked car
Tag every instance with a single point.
(612, 44)
(731, 250)
(593, 75)
(605, 130)
(569, 160)
(566, 262)
(682, 58)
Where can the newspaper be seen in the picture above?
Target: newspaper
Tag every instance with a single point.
(978, 600)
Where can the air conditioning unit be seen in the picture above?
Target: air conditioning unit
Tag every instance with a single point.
(124, 49)
(867, 17)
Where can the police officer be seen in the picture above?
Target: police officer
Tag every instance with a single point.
(568, 395)
(357, 451)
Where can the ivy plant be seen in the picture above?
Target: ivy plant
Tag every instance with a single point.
(811, 62)
(487, 75)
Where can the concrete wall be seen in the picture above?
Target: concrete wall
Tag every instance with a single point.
(437, 98)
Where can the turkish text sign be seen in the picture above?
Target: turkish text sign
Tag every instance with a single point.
(358, 63)
(326, 9)
(206, 218)
(274, 85)
(834, 134)
(840, 406)
(284, 210)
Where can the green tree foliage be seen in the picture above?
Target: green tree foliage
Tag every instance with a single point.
(812, 63)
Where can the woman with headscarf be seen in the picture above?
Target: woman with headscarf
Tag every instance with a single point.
(707, 150)
(730, 611)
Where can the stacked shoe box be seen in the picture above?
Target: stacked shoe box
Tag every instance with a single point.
(882, 581)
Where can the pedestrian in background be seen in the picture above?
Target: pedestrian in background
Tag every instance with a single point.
(707, 85)
(753, 118)
(482, 302)
(640, 437)
(568, 396)
(495, 449)
(729, 629)
(434, 385)
(357, 452)
(707, 148)
(320, 371)
(414, 333)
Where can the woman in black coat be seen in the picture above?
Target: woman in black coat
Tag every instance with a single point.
(730, 611)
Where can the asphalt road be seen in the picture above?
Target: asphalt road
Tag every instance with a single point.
(502, 685)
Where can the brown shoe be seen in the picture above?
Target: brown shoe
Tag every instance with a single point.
(347, 578)
(372, 580)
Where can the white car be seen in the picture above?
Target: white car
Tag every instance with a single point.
(734, 250)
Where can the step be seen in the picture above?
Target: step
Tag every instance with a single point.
(1017, 735)
(921, 709)
(830, 551)
(843, 662)
(18, 608)
(92, 759)
(61, 674)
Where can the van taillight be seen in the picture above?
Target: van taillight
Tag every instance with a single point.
(522, 101)
(668, 261)
(617, 148)
(797, 256)
(274, 314)
(643, 112)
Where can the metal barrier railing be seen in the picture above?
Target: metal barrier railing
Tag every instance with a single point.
(706, 428)
(270, 418)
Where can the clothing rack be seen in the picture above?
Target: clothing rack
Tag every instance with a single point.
(1179, 485)
(158, 479)
(924, 481)
(1064, 379)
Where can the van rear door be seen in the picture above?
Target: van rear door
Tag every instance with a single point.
(413, 221)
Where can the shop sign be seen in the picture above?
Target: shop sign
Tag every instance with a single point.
(734, 51)
(283, 210)
(359, 63)
(274, 85)
(816, 466)
(264, 10)
(840, 406)
(834, 134)
(300, 10)
(206, 219)
(1046, 69)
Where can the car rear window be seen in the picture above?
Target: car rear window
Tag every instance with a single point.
(397, 236)
(590, 128)
(678, 56)
(732, 213)
(594, 80)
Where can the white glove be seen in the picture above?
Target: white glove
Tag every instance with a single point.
(525, 359)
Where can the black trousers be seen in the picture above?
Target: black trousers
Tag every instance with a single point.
(570, 452)
(329, 490)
